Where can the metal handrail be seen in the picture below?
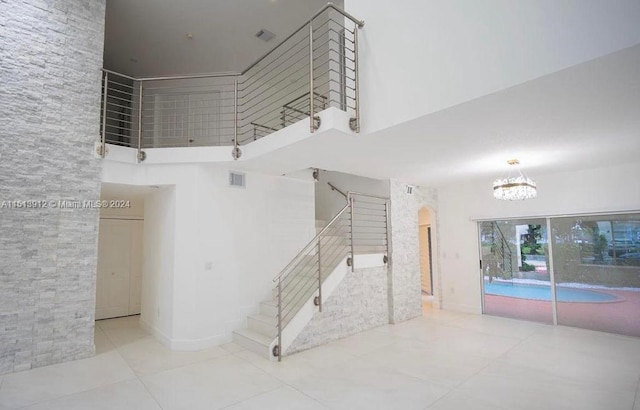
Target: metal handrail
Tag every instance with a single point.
(304, 274)
(311, 242)
(506, 256)
(227, 123)
(359, 23)
(334, 188)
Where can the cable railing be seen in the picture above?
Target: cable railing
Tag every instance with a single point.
(312, 69)
(354, 230)
(502, 251)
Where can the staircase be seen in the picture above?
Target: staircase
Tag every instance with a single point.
(360, 227)
(500, 260)
(262, 328)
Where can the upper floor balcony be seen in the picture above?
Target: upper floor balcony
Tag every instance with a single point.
(314, 69)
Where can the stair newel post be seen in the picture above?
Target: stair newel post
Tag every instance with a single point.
(311, 90)
(141, 154)
(103, 137)
(279, 319)
(351, 229)
(319, 276)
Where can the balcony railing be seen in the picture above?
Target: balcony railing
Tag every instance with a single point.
(312, 69)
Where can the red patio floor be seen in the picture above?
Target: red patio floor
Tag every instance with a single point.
(621, 317)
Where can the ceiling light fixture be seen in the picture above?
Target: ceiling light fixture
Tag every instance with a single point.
(515, 188)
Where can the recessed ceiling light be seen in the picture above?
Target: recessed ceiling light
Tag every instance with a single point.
(265, 34)
(189, 36)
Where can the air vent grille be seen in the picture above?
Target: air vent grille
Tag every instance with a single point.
(237, 179)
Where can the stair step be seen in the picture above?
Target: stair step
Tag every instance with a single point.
(253, 341)
(269, 308)
(265, 325)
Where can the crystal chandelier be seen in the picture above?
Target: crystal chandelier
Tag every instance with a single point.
(514, 188)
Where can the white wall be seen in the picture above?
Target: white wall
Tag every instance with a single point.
(247, 235)
(158, 271)
(134, 211)
(329, 202)
(418, 57)
(228, 243)
(587, 191)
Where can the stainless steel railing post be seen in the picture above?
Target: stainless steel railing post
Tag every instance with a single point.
(319, 276)
(311, 91)
(141, 154)
(235, 153)
(280, 320)
(357, 82)
(103, 137)
(388, 229)
(353, 260)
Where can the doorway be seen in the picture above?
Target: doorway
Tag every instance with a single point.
(120, 253)
(426, 255)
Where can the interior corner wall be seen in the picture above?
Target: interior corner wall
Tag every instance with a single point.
(329, 202)
(159, 260)
(50, 60)
(605, 189)
(238, 239)
(404, 285)
(212, 250)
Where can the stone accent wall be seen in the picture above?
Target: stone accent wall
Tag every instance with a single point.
(358, 303)
(50, 60)
(404, 273)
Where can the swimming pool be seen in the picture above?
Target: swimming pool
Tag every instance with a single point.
(541, 292)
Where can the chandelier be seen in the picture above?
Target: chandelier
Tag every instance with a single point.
(514, 188)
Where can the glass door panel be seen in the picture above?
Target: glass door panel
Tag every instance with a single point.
(515, 274)
(596, 261)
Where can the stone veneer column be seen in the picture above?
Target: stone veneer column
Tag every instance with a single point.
(405, 301)
(50, 60)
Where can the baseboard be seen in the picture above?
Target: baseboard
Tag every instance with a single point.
(456, 307)
(185, 345)
(190, 345)
(162, 338)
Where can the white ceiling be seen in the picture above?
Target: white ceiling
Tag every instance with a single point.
(154, 33)
(586, 116)
(583, 117)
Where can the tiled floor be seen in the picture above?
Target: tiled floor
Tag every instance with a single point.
(441, 361)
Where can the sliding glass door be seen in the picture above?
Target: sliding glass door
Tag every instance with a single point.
(587, 267)
(596, 260)
(515, 268)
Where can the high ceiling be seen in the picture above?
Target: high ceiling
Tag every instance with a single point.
(146, 38)
(586, 116)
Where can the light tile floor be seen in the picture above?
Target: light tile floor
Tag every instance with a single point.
(441, 361)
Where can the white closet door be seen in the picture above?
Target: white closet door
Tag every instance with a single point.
(135, 282)
(114, 268)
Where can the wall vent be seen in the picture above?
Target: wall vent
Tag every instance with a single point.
(237, 179)
(265, 35)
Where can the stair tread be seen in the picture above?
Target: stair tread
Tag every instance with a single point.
(255, 336)
(264, 318)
